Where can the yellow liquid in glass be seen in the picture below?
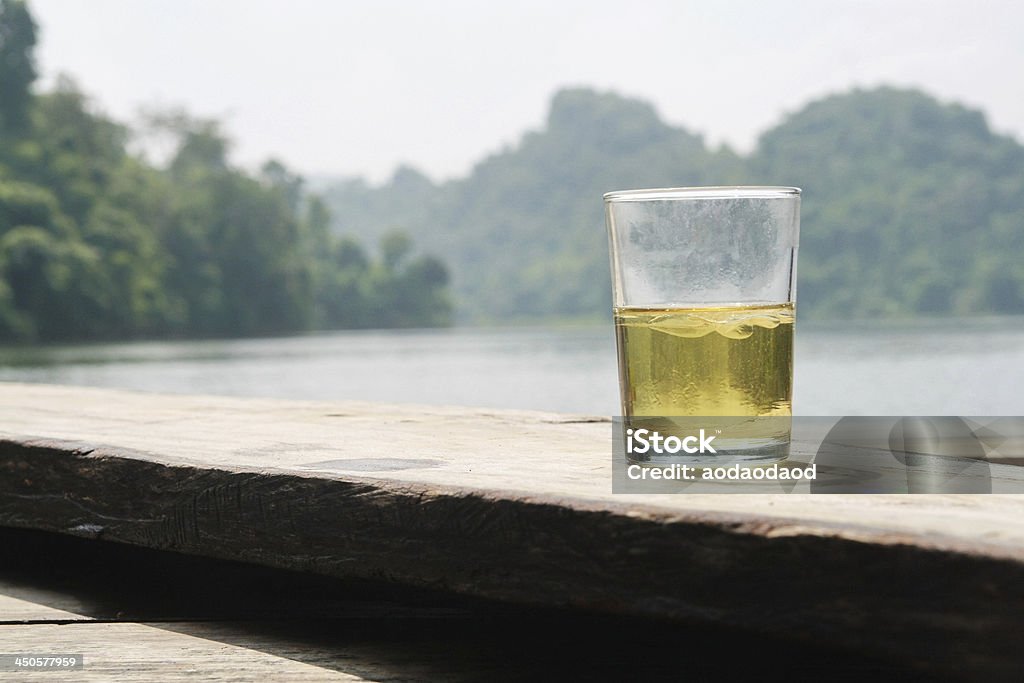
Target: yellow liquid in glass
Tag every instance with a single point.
(727, 370)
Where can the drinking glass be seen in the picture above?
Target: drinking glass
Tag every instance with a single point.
(704, 294)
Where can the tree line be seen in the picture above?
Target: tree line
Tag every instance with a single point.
(911, 206)
(97, 242)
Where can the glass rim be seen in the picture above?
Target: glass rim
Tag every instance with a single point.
(711, 192)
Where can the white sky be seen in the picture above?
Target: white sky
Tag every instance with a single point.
(357, 87)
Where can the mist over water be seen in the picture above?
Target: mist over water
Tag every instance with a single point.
(948, 367)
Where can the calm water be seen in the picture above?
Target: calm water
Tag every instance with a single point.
(969, 368)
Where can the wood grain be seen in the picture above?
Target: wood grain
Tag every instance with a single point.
(14, 610)
(145, 652)
(512, 505)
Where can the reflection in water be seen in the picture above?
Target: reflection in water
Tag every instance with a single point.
(920, 369)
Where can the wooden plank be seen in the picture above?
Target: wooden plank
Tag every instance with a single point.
(512, 505)
(488, 642)
(143, 652)
(19, 609)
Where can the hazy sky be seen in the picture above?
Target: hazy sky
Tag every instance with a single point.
(357, 87)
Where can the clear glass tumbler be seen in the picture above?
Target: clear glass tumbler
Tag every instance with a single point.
(704, 292)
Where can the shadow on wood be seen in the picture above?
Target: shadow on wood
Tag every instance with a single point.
(107, 593)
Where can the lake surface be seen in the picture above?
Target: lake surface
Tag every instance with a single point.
(950, 367)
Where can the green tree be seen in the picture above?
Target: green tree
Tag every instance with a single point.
(907, 205)
(54, 285)
(394, 247)
(71, 150)
(17, 64)
(96, 242)
(233, 241)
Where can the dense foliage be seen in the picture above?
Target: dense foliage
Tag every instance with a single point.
(95, 242)
(910, 206)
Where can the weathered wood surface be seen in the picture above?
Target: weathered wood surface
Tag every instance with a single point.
(511, 505)
(214, 629)
(147, 652)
